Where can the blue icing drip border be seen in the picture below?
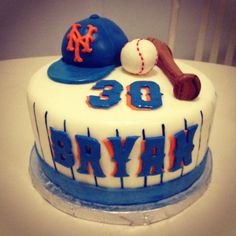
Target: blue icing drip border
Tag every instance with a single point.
(125, 196)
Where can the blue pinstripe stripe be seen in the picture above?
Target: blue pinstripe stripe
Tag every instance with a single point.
(37, 128)
(49, 141)
(200, 137)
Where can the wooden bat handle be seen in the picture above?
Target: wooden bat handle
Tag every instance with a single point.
(186, 86)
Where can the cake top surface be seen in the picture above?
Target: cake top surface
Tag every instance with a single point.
(92, 48)
(77, 95)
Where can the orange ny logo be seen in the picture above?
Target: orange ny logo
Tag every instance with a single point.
(76, 40)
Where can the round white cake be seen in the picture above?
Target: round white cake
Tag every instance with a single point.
(118, 125)
(69, 103)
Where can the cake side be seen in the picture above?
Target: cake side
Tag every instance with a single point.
(55, 105)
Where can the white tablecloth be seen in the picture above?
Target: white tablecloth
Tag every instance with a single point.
(24, 212)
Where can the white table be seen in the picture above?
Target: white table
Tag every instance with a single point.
(24, 212)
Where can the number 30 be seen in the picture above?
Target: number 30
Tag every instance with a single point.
(111, 91)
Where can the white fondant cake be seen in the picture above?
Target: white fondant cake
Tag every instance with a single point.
(105, 136)
(68, 102)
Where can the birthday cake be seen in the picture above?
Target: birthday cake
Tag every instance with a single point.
(118, 123)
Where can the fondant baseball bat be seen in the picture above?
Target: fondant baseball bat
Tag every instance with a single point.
(186, 86)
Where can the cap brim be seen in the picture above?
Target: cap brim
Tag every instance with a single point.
(62, 72)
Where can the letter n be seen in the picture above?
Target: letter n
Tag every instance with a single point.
(183, 147)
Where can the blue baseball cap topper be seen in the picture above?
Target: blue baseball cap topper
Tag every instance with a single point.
(90, 51)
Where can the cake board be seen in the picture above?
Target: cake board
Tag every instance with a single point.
(143, 214)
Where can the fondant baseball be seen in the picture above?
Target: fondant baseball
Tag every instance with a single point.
(139, 56)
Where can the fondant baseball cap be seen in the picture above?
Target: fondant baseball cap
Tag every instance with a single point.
(90, 51)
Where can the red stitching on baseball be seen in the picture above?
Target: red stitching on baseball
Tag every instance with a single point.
(141, 57)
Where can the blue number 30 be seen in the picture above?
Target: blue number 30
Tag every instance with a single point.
(112, 91)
